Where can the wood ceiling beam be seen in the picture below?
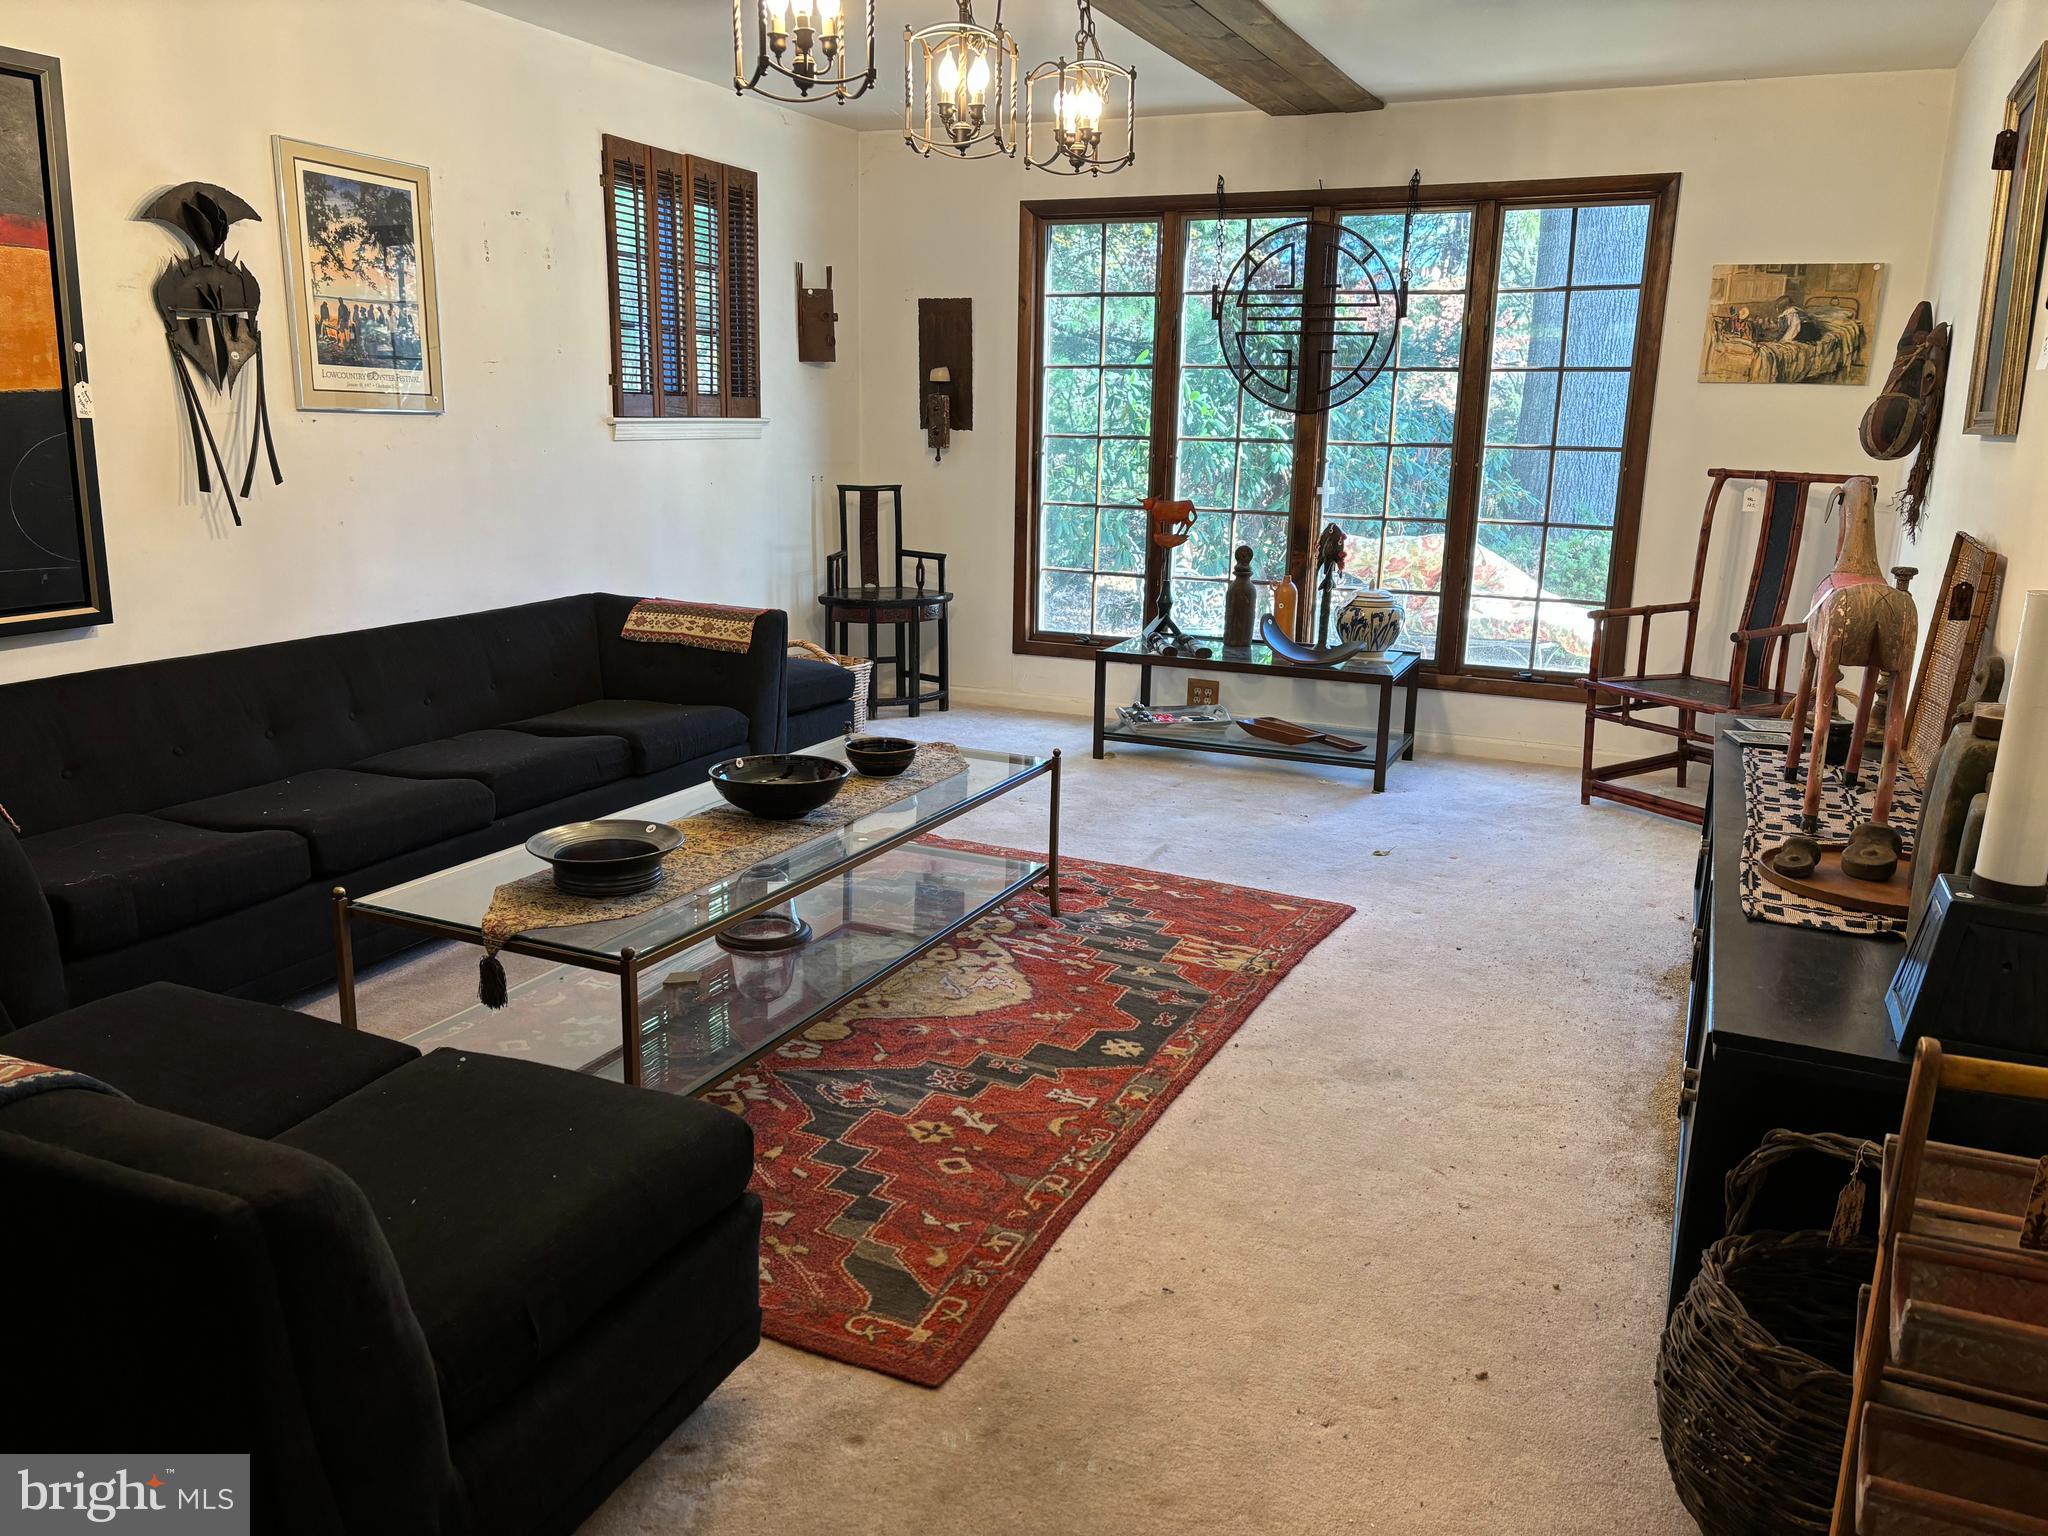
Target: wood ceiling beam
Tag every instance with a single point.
(1246, 49)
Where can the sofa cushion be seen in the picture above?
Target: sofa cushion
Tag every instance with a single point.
(521, 1200)
(520, 770)
(242, 1066)
(123, 878)
(660, 735)
(814, 684)
(348, 819)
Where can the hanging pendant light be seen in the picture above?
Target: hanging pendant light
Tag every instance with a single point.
(960, 87)
(1087, 97)
(803, 43)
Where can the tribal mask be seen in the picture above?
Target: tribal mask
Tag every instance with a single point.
(1907, 412)
(208, 303)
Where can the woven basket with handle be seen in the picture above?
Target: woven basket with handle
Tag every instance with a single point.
(861, 667)
(1753, 1374)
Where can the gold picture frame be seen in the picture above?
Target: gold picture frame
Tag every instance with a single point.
(359, 264)
(2012, 264)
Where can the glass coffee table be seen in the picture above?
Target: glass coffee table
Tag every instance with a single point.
(655, 1000)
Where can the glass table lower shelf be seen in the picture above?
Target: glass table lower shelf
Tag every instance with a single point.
(708, 1012)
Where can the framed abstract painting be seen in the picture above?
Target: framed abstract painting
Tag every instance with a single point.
(2012, 260)
(359, 260)
(53, 552)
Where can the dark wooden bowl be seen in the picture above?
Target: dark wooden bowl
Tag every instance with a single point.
(780, 786)
(880, 757)
(605, 858)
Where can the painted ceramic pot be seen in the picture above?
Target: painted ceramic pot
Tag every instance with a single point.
(1372, 617)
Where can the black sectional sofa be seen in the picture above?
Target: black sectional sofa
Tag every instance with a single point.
(185, 820)
(450, 1295)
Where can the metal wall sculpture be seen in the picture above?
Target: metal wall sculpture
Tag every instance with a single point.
(1308, 317)
(209, 303)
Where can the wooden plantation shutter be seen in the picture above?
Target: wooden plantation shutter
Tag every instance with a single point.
(742, 294)
(685, 283)
(707, 287)
(628, 222)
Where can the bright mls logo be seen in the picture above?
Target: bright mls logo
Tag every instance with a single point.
(204, 1495)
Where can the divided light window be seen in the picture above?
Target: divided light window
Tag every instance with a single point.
(684, 240)
(1490, 477)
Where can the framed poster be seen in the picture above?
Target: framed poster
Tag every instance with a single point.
(2012, 261)
(359, 259)
(1789, 322)
(53, 551)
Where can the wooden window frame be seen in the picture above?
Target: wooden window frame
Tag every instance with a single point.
(670, 213)
(1489, 202)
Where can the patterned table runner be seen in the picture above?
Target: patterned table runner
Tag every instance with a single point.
(1771, 814)
(716, 843)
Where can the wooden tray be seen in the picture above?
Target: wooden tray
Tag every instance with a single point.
(1827, 883)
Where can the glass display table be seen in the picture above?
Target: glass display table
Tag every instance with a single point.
(656, 1000)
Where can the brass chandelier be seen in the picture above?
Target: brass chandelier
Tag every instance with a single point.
(803, 43)
(1087, 97)
(960, 87)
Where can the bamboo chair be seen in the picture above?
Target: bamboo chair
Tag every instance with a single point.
(1757, 664)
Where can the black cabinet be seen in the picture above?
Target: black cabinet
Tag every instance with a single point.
(1786, 1027)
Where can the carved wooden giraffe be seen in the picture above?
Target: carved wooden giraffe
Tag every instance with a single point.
(1857, 620)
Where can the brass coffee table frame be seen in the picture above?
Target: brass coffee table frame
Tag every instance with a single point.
(629, 963)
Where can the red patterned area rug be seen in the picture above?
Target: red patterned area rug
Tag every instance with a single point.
(919, 1150)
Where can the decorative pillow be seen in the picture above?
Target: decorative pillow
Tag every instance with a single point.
(19, 1079)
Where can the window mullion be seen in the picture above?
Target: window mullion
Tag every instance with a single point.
(1468, 436)
(1165, 428)
(1311, 428)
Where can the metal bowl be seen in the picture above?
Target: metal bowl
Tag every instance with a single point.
(605, 858)
(780, 786)
(880, 757)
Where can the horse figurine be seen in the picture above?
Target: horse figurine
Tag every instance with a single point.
(1858, 619)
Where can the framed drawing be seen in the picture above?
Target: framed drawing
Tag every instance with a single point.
(1791, 322)
(359, 260)
(53, 551)
(2012, 261)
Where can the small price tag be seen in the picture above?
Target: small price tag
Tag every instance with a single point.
(81, 400)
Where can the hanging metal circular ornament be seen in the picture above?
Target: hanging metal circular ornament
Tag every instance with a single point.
(1085, 94)
(802, 42)
(968, 74)
(1309, 316)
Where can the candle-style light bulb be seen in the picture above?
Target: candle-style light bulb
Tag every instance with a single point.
(831, 13)
(977, 78)
(948, 74)
(778, 21)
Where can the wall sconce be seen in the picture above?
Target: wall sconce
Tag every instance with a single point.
(938, 411)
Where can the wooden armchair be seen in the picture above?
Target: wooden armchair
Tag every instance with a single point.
(1758, 660)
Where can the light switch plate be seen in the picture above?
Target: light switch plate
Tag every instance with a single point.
(1204, 690)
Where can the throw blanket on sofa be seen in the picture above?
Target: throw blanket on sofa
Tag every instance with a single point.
(716, 844)
(19, 1079)
(708, 626)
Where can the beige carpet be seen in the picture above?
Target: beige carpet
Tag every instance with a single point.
(1393, 1263)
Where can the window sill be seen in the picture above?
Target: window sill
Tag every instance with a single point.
(649, 429)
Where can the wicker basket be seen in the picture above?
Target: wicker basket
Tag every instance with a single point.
(1753, 1374)
(861, 667)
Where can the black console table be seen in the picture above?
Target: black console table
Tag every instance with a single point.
(1786, 1027)
(1394, 670)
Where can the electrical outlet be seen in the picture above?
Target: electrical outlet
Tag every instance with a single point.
(1204, 690)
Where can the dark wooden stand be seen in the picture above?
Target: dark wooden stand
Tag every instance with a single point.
(1396, 669)
(1786, 1027)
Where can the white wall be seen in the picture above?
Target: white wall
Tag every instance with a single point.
(517, 492)
(1987, 486)
(1838, 168)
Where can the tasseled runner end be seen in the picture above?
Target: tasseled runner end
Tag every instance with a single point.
(490, 981)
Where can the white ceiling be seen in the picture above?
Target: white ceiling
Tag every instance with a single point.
(1404, 50)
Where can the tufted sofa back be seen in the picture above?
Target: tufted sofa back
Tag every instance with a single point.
(142, 737)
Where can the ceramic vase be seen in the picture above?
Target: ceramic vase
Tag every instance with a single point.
(1373, 617)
